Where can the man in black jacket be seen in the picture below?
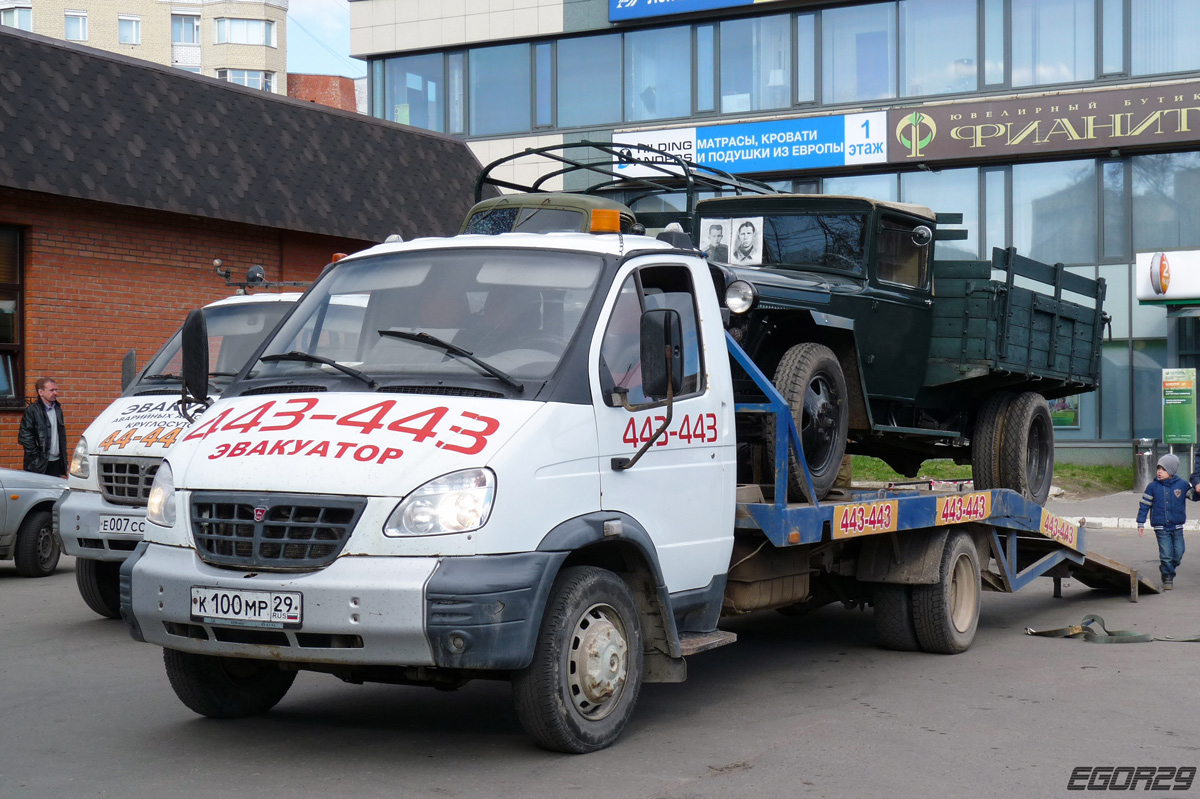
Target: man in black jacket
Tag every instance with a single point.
(43, 434)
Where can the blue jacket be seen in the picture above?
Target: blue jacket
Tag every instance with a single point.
(1165, 502)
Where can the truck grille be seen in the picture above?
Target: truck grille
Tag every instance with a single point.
(127, 481)
(273, 532)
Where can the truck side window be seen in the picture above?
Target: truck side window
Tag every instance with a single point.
(620, 350)
(900, 260)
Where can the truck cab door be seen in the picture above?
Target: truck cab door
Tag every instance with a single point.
(682, 489)
(894, 341)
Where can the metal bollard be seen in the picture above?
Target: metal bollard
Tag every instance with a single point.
(1145, 460)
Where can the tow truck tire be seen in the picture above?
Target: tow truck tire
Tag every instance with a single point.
(986, 440)
(37, 550)
(894, 627)
(811, 381)
(226, 688)
(579, 691)
(99, 585)
(946, 614)
(1027, 447)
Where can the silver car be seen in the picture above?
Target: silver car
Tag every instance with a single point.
(26, 521)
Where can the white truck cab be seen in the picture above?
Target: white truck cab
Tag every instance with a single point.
(102, 516)
(483, 456)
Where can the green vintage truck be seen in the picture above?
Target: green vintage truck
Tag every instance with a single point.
(880, 348)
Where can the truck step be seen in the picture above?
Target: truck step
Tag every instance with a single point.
(691, 643)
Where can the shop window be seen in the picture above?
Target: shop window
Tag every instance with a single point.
(1112, 37)
(877, 187)
(589, 81)
(658, 74)
(1055, 211)
(412, 91)
(756, 64)
(1116, 392)
(1115, 212)
(948, 191)
(993, 42)
(938, 44)
(706, 68)
(12, 377)
(995, 199)
(806, 58)
(500, 89)
(1053, 41)
(858, 53)
(1149, 359)
(1166, 202)
(543, 86)
(1163, 36)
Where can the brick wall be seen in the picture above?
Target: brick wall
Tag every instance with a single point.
(331, 90)
(103, 279)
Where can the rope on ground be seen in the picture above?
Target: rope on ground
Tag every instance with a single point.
(1093, 630)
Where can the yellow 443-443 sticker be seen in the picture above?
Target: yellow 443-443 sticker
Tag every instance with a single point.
(162, 436)
(867, 518)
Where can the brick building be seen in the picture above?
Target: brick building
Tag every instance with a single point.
(121, 181)
(334, 91)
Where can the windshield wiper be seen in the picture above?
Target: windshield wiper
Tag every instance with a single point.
(162, 376)
(222, 374)
(295, 355)
(425, 338)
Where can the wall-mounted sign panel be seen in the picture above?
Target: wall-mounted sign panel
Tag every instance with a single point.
(776, 145)
(622, 10)
(1179, 406)
(1168, 277)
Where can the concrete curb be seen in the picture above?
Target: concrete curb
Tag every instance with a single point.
(1122, 523)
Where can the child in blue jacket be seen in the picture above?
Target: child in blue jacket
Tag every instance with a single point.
(1165, 503)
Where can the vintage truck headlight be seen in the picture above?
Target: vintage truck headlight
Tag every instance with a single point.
(160, 509)
(79, 461)
(453, 503)
(740, 296)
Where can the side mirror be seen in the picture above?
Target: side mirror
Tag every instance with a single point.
(922, 236)
(662, 353)
(128, 369)
(195, 357)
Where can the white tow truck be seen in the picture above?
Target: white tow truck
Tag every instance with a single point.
(102, 516)
(520, 462)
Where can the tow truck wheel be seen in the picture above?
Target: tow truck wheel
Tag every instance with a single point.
(946, 614)
(37, 549)
(579, 691)
(98, 583)
(1027, 447)
(894, 627)
(811, 381)
(986, 440)
(226, 688)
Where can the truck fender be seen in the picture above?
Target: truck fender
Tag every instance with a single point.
(844, 345)
(911, 558)
(584, 538)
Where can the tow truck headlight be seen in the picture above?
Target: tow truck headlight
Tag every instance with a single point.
(740, 296)
(160, 509)
(454, 503)
(79, 461)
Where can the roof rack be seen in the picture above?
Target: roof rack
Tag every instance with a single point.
(670, 173)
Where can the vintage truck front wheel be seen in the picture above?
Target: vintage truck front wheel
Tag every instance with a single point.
(1027, 447)
(226, 688)
(811, 381)
(578, 692)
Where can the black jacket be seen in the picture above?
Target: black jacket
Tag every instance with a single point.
(35, 437)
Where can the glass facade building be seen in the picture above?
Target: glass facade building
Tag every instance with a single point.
(1069, 129)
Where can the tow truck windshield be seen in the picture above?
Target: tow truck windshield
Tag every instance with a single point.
(234, 332)
(512, 310)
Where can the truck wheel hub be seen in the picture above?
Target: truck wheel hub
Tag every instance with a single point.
(598, 662)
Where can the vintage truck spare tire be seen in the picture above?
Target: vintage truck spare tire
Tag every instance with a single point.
(1027, 447)
(811, 381)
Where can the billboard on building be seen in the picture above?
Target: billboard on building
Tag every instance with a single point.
(776, 145)
(1168, 278)
(622, 10)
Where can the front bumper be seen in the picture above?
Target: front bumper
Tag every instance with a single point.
(478, 612)
(77, 521)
